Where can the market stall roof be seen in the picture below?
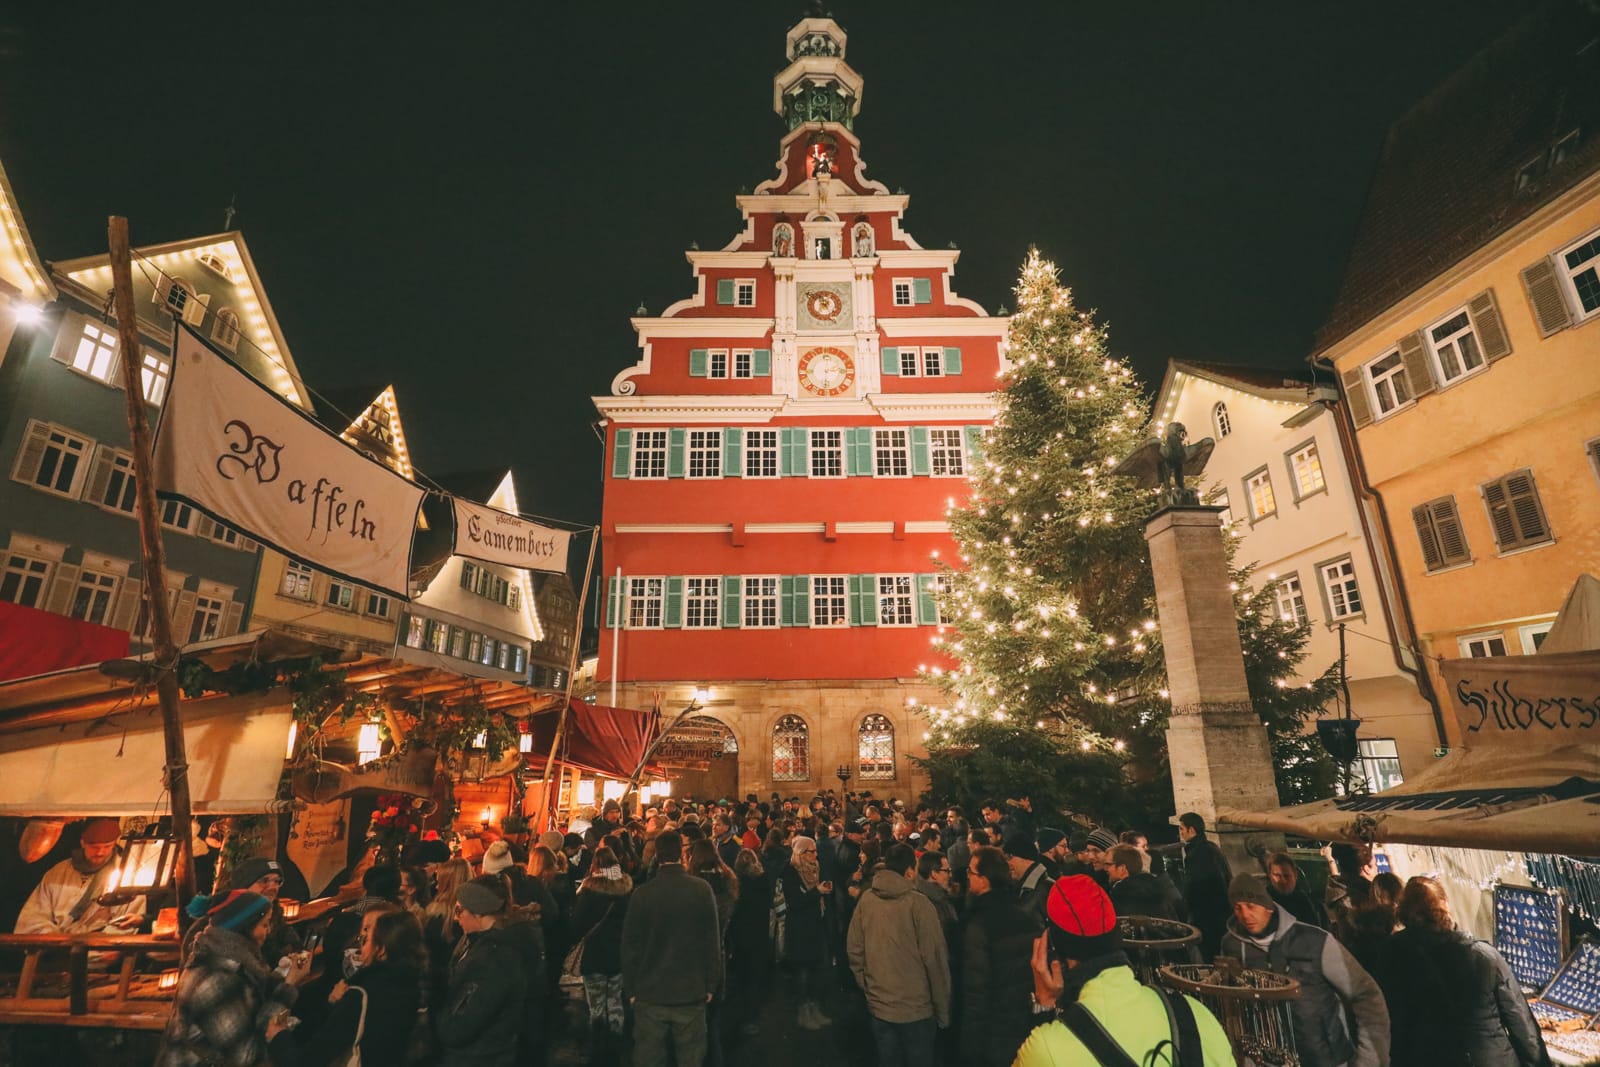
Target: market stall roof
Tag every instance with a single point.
(609, 741)
(1527, 776)
(36, 642)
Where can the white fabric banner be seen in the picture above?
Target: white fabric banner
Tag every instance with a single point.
(246, 456)
(495, 537)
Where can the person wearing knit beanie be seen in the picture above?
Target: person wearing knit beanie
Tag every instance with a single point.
(497, 858)
(1083, 924)
(1246, 888)
(238, 910)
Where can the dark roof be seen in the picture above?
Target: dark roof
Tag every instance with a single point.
(1254, 377)
(1446, 181)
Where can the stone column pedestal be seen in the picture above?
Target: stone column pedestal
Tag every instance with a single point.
(1216, 745)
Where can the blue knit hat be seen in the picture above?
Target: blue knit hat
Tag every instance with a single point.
(236, 909)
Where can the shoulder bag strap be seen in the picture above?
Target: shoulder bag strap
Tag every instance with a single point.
(361, 1023)
(1101, 1045)
(1186, 1048)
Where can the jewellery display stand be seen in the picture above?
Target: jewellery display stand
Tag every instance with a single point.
(1530, 930)
(1569, 1008)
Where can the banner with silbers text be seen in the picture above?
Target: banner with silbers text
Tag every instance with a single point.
(496, 537)
(244, 455)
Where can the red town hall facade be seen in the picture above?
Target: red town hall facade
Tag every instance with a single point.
(780, 461)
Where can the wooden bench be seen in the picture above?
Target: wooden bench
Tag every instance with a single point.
(118, 999)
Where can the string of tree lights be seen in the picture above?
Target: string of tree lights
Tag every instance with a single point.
(1050, 617)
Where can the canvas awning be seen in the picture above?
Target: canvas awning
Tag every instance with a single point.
(1527, 776)
(38, 642)
(602, 740)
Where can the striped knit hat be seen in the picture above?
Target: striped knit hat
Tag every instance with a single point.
(235, 909)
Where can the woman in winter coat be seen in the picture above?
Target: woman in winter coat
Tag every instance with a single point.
(598, 913)
(1452, 998)
(227, 994)
(704, 863)
(749, 942)
(440, 931)
(996, 970)
(804, 946)
(379, 1002)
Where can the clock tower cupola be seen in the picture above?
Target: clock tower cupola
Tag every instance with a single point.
(817, 85)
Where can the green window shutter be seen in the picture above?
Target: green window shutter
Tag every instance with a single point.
(891, 361)
(725, 291)
(852, 585)
(952, 361)
(861, 450)
(792, 451)
(613, 594)
(927, 603)
(786, 600)
(974, 447)
(761, 363)
(920, 463)
(802, 600)
(922, 290)
(867, 595)
(698, 362)
(622, 454)
(466, 575)
(730, 600)
(732, 452)
(675, 447)
(672, 610)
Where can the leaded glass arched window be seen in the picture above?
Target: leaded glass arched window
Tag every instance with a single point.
(875, 749)
(1219, 418)
(791, 750)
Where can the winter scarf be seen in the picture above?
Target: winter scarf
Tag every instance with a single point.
(805, 862)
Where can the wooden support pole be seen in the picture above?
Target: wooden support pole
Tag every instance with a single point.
(552, 766)
(153, 557)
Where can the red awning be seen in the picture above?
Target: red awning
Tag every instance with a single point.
(39, 642)
(609, 741)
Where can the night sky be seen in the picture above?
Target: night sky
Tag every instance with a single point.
(472, 207)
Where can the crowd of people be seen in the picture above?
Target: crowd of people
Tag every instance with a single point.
(669, 936)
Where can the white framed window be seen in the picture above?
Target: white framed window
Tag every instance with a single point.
(25, 579)
(1339, 585)
(207, 620)
(1391, 390)
(910, 362)
(458, 642)
(904, 294)
(1456, 351)
(891, 454)
(645, 597)
(155, 374)
(705, 454)
(297, 578)
(932, 362)
(947, 452)
(1306, 466)
(96, 353)
(649, 453)
(744, 292)
(343, 595)
(896, 600)
(92, 600)
(1531, 637)
(416, 631)
(742, 362)
(760, 602)
(1218, 498)
(791, 750)
(716, 363)
(1258, 487)
(1291, 599)
(1220, 421)
(216, 264)
(176, 515)
(225, 328)
(1478, 646)
(175, 293)
(701, 603)
(1380, 763)
(120, 493)
(474, 647)
(761, 453)
(378, 605)
(875, 749)
(491, 650)
(829, 603)
(1580, 268)
(52, 459)
(827, 453)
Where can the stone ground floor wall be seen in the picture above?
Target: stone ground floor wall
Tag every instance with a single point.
(833, 711)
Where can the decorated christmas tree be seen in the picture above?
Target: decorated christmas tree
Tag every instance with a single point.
(1053, 627)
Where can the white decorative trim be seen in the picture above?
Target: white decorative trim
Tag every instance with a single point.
(908, 258)
(727, 258)
(806, 129)
(915, 407)
(751, 327)
(688, 410)
(670, 527)
(896, 326)
(918, 526)
(800, 203)
(785, 527)
(864, 527)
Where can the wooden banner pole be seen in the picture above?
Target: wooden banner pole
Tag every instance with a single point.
(153, 556)
(552, 766)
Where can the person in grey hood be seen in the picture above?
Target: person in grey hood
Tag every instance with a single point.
(897, 953)
(1264, 936)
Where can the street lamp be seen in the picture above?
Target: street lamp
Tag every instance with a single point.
(843, 774)
(146, 866)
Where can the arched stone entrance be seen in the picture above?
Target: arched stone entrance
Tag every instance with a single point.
(702, 755)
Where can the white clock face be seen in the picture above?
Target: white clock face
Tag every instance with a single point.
(827, 372)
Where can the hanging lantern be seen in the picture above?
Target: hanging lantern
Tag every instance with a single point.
(525, 743)
(368, 743)
(168, 981)
(146, 866)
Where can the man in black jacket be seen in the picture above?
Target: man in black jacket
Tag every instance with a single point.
(671, 959)
(483, 1010)
(997, 975)
(1136, 892)
(1206, 875)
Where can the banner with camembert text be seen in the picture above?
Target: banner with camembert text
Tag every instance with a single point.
(495, 537)
(244, 455)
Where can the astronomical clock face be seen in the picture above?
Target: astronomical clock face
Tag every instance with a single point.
(827, 372)
(824, 306)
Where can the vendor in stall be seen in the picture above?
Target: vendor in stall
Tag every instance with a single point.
(67, 900)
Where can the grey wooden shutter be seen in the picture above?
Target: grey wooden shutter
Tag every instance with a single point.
(1355, 395)
(1593, 448)
(1549, 303)
(1418, 364)
(891, 361)
(230, 624)
(99, 475)
(622, 454)
(761, 363)
(672, 607)
(1489, 326)
(183, 617)
(1452, 536)
(613, 595)
(1422, 516)
(1526, 507)
(126, 610)
(699, 363)
(1504, 526)
(922, 290)
(952, 361)
(675, 447)
(725, 291)
(732, 452)
(65, 583)
(31, 452)
(732, 588)
(921, 463)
